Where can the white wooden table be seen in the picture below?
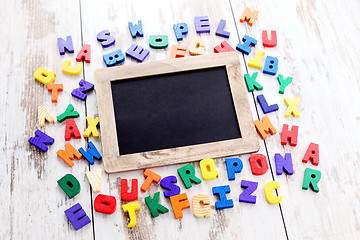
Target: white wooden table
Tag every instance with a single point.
(317, 46)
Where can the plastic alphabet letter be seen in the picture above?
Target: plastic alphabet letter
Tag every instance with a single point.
(312, 177)
(180, 29)
(44, 76)
(289, 135)
(202, 24)
(249, 16)
(208, 170)
(292, 109)
(245, 47)
(205, 211)
(105, 39)
(85, 53)
(220, 30)
(270, 197)
(264, 105)
(223, 201)
(41, 140)
(158, 41)
(150, 177)
(258, 164)
(91, 129)
(197, 46)
(252, 83)
(65, 45)
(255, 63)
(269, 43)
(70, 185)
(168, 184)
(94, 180)
(264, 127)
(271, 65)
(283, 83)
(137, 52)
(105, 204)
(77, 216)
(69, 154)
(113, 58)
(187, 175)
(136, 29)
(43, 114)
(71, 129)
(178, 203)
(91, 153)
(54, 89)
(74, 71)
(131, 208)
(233, 165)
(177, 51)
(69, 113)
(129, 196)
(85, 87)
(246, 196)
(154, 206)
(312, 153)
(284, 164)
(224, 47)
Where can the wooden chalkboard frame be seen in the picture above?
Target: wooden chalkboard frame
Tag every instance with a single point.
(114, 162)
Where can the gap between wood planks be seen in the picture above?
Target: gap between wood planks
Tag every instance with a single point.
(87, 139)
(257, 113)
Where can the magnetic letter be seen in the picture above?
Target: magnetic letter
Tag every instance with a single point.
(246, 196)
(197, 46)
(264, 127)
(168, 184)
(264, 105)
(220, 29)
(43, 114)
(91, 129)
(271, 65)
(225, 47)
(180, 29)
(113, 58)
(54, 89)
(269, 43)
(249, 16)
(41, 140)
(178, 203)
(85, 53)
(105, 38)
(136, 29)
(205, 211)
(91, 153)
(44, 76)
(202, 24)
(177, 51)
(94, 180)
(312, 177)
(187, 175)
(252, 83)
(283, 83)
(312, 153)
(292, 109)
(74, 71)
(131, 208)
(233, 165)
(129, 196)
(223, 201)
(258, 164)
(154, 206)
(69, 154)
(289, 135)
(70, 185)
(71, 129)
(69, 113)
(255, 63)
(105, 204)
(77, 216)
(208, 170)
(245, 47)
(284, 164)
(150, 177)
(270, 197)
(65, 45)
(85, 87)
(158, 41)
(137, 52)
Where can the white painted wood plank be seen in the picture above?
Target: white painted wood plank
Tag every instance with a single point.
(244, 220)
(317, 47)
(32, 203)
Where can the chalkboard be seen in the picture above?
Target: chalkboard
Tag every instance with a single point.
(173, 111)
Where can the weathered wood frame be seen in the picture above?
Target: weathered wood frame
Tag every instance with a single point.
(114, 162)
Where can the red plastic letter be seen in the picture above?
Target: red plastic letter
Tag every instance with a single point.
(105, 204)
(269, 43)
(258, 164)
(71, 129)
(85, 52)
(312, 153)
(129, 196)
(289, 135)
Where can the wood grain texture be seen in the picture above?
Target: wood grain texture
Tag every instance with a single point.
(317, 46)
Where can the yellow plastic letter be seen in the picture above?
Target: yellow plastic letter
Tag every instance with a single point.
(208, 170)
(91, 127)
(131, 208)
(44, 76)
(72, 70)
(270, 197)
(255, 63)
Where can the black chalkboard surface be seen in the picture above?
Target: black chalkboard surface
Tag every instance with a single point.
(174, 110)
